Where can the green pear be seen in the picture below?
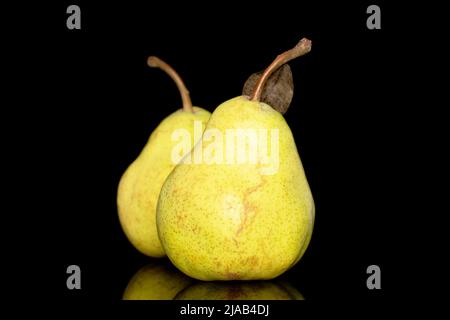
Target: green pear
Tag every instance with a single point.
(256, 290)
(156, 281)
(236, 217)
(139, 187)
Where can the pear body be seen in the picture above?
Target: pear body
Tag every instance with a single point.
(156, 281)
(237, 220)
(141, 183)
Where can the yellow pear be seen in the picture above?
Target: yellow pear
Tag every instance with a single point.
(257, 290)
(156, 281)
(239, 207)
(139, 187)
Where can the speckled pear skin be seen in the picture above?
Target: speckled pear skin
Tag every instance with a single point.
(230, 221)
(156, 281)
(254, 290)
(139, 187)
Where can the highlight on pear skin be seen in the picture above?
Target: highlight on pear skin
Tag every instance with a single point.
(222, 195)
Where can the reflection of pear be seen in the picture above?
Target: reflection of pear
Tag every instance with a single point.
(260, 290)
(295, 294)
(156, 281)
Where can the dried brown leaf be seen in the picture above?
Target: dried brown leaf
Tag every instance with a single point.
(278, 90)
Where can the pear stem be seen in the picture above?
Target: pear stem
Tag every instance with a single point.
(302, 48)
(156, 62)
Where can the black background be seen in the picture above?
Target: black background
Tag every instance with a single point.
(100, 103)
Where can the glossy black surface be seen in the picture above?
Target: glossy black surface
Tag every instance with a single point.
(103, 102)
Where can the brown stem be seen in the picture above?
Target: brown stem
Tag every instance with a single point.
(303, 47)
(156, 62)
